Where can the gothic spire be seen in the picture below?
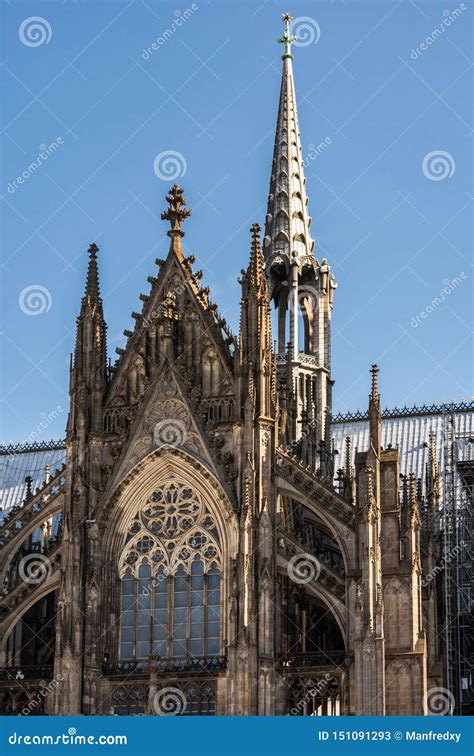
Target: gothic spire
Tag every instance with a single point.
(287, 227)
(375, 414)
(91, 309)
(89, 364)
(256, 270)
(91, 296)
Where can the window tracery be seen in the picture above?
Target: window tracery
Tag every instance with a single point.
(170, 572)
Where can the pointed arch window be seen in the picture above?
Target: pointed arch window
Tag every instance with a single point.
(170, 569)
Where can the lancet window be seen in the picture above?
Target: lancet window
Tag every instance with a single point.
(170, 572)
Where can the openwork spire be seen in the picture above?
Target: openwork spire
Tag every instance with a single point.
(287, 228)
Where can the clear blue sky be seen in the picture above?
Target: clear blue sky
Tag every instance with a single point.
(394, 237)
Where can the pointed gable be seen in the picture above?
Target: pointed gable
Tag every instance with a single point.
(178, 323)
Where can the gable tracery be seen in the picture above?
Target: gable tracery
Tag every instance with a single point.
(173, 528)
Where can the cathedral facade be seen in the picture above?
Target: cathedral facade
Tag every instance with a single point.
(202, 551)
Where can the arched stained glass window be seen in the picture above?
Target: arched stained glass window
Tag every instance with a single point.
(170, 573)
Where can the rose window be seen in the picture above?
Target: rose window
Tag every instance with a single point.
(170, 511)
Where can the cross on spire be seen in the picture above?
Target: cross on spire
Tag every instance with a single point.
(287, 39)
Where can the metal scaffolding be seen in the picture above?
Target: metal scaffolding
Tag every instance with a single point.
(457, 550)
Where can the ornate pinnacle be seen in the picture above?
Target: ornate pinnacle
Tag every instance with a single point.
(287, 39)
(92, 291)
(375, 389)
(255, 231)
(175, 213)
(255, 271)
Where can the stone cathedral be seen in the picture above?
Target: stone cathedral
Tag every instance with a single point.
(204, 550)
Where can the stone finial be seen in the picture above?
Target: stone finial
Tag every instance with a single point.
(176, 212)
